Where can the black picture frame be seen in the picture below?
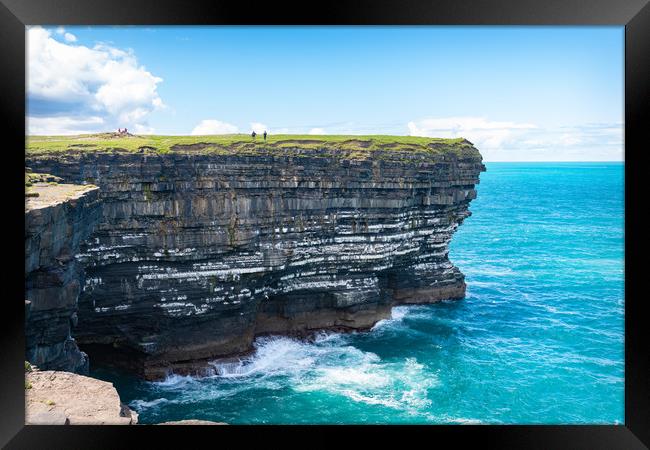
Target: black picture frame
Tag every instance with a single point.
(633, 14)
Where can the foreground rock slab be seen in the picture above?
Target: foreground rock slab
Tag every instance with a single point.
(64, 398)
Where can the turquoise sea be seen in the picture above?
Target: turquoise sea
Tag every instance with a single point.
(539, 339)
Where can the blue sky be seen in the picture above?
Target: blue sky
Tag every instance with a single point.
(518, 93)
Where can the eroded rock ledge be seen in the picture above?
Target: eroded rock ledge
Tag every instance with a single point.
(199, 252)
(64, 398)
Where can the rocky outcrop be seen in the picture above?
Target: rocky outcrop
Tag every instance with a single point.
(58, 217)
(199, 252)
(64, 398)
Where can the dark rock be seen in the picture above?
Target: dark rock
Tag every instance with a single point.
(198, 253)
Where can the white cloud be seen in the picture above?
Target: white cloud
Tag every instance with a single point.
(486, 133)
(143, 129)
(316, 131)
(64, 125)
(211, 126)
(66, 80)
(259, 127)
(513, 141)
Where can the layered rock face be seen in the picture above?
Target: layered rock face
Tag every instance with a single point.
(58, 218)
(198, 253)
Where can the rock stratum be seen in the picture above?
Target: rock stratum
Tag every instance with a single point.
(197, 251)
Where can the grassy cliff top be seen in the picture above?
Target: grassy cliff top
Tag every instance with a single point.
(350, 146)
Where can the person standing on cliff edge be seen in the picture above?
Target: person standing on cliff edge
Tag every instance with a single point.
(264, 135)
(253, 134)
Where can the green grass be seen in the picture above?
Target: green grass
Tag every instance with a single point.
(345, 146)
(31, 178)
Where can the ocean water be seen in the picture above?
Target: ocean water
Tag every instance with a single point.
(539, 339)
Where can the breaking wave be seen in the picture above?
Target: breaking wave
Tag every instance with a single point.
(327, 365)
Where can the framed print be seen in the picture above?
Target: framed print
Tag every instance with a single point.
(372, 217)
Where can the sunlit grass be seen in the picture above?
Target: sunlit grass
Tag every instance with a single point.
(346, 146)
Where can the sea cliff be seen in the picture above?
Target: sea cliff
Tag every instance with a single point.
(58, 218)
(203, 246)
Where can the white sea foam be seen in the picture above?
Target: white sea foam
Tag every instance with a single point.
(326, 364)
(485, 284)
(463, 421)
(397, 314)
(365, 378)
(174, 380)
(273, 356)
(140, 405)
